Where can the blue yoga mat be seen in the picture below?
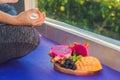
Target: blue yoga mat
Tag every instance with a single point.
(37, 66)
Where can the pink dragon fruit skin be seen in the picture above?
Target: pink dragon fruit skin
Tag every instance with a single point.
(80, 49)
(61, 51)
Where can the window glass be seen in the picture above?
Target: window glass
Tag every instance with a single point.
(99, 16)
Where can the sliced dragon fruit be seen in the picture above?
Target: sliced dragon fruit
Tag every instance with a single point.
(60, 52)
(80, 49)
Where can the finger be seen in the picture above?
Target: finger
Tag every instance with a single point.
(36, 20)
(35, 10)
(44, 14)
(39, 23)
(39, 14)
(36, 16)
(39, 19)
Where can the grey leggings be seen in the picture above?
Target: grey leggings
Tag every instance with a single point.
(17, 41)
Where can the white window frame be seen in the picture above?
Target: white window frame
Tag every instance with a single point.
(29, 4)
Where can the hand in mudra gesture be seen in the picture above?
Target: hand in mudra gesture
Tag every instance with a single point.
(24, 18)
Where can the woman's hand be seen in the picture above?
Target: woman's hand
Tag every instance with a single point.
(25, 19)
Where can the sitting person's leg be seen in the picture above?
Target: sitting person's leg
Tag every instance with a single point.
(17, 41)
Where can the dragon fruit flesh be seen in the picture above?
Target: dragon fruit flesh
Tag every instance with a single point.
(60, 52)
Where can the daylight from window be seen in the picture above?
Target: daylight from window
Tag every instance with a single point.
(98, 16)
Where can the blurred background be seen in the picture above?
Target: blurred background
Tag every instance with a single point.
(98, 16)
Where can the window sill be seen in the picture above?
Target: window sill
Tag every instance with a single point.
(100, 46)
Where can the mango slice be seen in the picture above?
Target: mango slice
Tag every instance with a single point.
(88, 63)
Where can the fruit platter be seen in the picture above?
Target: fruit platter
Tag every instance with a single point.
(74, 59)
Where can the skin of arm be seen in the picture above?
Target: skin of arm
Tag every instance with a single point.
(8, 1)
(23, 18)
(6, 18)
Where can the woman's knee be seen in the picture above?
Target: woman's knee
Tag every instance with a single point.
(17, 41)
(19, 34)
